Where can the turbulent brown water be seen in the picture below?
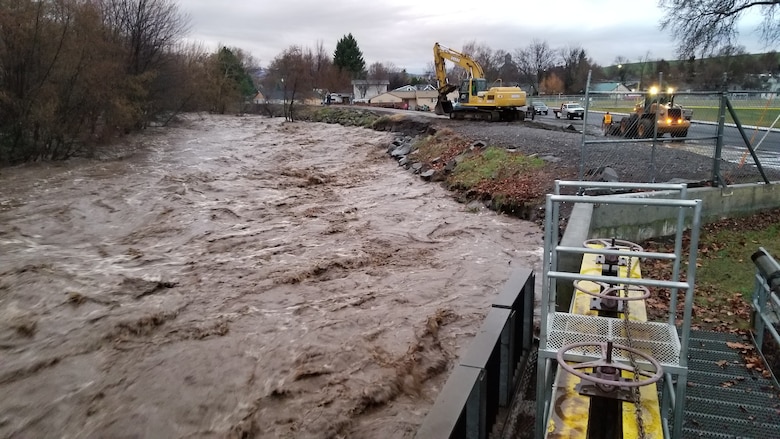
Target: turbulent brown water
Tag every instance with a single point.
(239, 276)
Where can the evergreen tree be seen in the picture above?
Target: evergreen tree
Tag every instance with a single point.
(233, 70)
(349, 57)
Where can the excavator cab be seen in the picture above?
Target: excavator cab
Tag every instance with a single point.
(471, 87)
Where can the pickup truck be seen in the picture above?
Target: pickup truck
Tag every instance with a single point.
(687, 112)
(570, 110)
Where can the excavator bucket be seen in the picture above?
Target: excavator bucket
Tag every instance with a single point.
(443, 105)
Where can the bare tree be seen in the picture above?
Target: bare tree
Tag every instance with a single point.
(484, 56)
(291, 72)
(768, 63)
(642, 65)
(146, 28)
(575, 68)
(63, 86)
(146, 31)
(534, 60)
(704, 26)
(320, 66)
(186, 77)
(621, 64)
(525, 70)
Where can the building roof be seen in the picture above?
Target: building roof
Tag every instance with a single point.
(370, 82)
(418, 87)
(608, 86)
(604, 86)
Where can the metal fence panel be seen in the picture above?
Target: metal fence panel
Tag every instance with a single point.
(658, 156)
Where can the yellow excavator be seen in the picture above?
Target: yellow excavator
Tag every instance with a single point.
(475, 99)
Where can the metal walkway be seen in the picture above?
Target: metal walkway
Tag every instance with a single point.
(725, 399)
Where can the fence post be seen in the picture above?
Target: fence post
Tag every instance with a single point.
(584, 127)
(716, 178)
(655, 126)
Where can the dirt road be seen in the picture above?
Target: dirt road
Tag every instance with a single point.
(239, 276)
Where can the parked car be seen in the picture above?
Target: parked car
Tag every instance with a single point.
(540, 107)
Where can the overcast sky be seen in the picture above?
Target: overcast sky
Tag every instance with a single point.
(403, 31)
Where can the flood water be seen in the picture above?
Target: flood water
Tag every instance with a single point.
(239, 277)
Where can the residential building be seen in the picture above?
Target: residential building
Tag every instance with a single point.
(365, 89)
(609, 87)
(409, 97)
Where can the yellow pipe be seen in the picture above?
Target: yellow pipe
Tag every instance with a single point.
(569, 417)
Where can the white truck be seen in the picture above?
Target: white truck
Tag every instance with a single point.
(570, 110)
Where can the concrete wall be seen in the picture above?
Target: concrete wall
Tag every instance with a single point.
(636, 223)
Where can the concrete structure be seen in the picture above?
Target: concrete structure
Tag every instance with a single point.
(718, 203)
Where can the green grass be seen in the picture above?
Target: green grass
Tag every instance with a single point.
(725, 257)
(493, 164)
(725, 274)
(747, 116)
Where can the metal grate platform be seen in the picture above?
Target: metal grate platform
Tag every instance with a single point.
(726, 399)
(658, 340)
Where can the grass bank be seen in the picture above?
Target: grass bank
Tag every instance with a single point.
(725, 274)
(506, 180)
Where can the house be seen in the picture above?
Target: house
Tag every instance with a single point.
(609, 87)
(277, 97)
(772, 86)
(409, 97)
(365, 89)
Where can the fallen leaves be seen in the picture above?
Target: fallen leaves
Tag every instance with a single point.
(716, 307)
(742, 346)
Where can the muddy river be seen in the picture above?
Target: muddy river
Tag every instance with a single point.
(239, 277)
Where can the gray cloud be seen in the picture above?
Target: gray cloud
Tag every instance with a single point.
(404, 32)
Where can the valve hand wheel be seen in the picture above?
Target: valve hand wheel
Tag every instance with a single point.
(611, 243)
(606, 361)
(609, 292)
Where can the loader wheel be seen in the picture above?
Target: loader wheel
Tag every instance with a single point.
(628, 128)
(644, 130)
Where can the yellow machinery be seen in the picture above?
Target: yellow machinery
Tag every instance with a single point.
(603, 370)
(475, 99)
(598, 404)
(656, 107)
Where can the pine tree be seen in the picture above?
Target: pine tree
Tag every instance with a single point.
(349, 57)
(233, 70)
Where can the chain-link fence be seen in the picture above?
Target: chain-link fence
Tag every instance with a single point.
(681, 136)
